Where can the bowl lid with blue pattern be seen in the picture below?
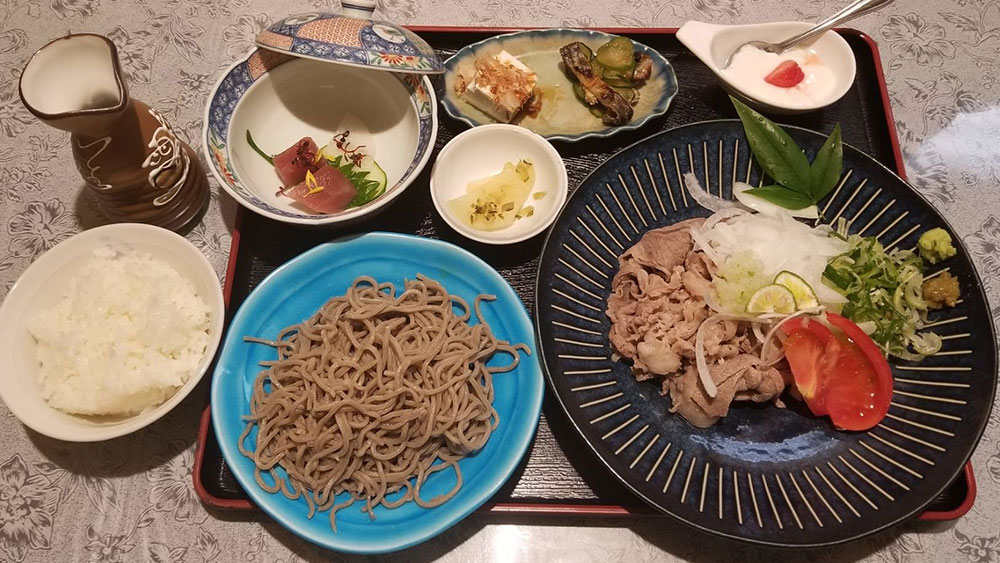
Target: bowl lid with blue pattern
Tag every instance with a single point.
(353, 38)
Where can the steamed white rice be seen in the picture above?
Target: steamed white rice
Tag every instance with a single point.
(127, 333)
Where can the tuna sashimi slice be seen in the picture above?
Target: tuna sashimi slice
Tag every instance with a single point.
(336, 194)
(293, 163)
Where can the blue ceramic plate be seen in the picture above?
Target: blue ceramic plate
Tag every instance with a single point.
(291, 294)
(562, 116)
(763, 474)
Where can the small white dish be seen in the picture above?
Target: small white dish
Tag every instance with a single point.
(43, 284)
(280, 99)
(713, 44)
(482, 151)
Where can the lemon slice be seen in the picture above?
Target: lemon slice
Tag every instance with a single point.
(773, 298)
(805, 297)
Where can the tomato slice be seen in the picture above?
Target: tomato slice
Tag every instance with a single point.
(842, 374)
(786, 75)
(877, 385)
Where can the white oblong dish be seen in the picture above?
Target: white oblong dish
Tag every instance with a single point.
(713, 44)
(43, 284)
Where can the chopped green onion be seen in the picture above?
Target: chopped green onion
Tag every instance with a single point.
(884, 292)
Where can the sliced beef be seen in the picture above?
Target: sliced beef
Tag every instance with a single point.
(657, 305)
(741, 378)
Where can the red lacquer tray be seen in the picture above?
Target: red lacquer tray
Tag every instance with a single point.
(560, 474)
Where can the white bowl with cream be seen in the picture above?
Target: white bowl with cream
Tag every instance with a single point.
(827, 62)
(47, 281)
(482, 151)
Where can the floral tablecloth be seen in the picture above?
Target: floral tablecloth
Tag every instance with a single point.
(132, 499)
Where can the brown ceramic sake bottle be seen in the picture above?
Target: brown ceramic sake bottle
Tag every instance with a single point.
(126, 151)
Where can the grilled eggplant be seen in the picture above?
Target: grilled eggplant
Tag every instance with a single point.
(576, 57)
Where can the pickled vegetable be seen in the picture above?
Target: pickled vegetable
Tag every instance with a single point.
(495, 202)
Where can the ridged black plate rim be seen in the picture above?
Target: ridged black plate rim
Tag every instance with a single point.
(799, 522)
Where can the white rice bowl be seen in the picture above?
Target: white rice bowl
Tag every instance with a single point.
(152, 361)
(128, 332)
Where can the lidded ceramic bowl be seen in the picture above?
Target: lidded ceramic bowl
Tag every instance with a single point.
(352, 38)
(309, 74)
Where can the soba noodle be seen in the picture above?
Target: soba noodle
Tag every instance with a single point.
(370, 392)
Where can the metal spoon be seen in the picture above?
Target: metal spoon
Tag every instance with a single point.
(857, 9)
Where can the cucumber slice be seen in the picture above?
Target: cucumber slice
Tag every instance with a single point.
(620, 82)
(773, 298)
(805, 297)
(617, 54)
(597, 67)
(578, 90)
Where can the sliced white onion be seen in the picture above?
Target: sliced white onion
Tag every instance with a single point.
(763, 206)
(766, 345)
(712, 303)
(722, 215)
(703, 198)
(699, 357)
(868, 327)
(699, 349)
(778, 240)
(701, 243)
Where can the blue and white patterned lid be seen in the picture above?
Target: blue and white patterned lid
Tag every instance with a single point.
(352, 38)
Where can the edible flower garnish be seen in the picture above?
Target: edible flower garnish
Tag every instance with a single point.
(311, 183)
(354, 154)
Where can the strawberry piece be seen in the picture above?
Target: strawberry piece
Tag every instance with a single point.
(786, 75)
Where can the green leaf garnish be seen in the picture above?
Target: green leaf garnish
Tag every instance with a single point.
(775, 151)
(782, 196)
(253, 145)
(799, 184)
(827, 166)
(367, 189)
